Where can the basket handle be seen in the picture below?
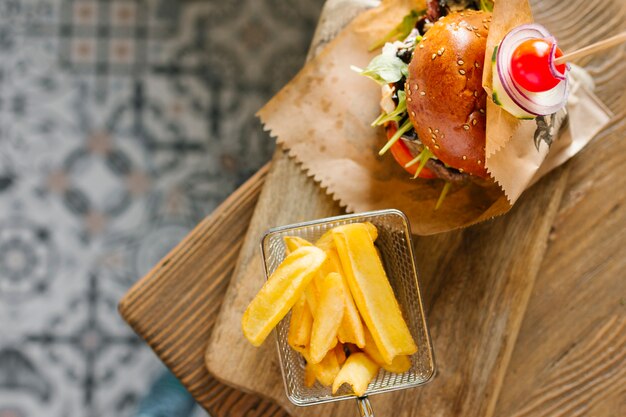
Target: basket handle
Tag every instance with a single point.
(364, 406)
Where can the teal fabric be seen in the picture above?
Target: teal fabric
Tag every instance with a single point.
(166, 398)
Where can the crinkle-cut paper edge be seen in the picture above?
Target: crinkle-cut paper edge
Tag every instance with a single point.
(326, 188)
(492, 176)
(494, 107)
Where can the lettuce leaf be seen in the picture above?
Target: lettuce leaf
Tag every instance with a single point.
(402, 30)
(385, 69)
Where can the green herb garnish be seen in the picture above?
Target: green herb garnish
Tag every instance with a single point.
(413, 161)
(384, 69)
(406, 126)
(424, 156)
(486, 5)
(402, 30)
(396, 115)
(444, 193)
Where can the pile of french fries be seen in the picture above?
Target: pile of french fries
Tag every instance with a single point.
(345, 319)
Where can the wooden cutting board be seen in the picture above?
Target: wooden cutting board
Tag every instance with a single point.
(476, 283)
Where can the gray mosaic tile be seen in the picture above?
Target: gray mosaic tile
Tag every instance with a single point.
(122, 124)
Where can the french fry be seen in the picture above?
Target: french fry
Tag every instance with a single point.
(312, 296)
(327, 369)
(294, 242)
(328, 318)
(341, 354)
(358, 372)
(372, 291)
(300, 325)
(280, 292)
(336, 290)
(351, 328)
(327, 241)
(311, 292)
(399, 365)
(309, 375)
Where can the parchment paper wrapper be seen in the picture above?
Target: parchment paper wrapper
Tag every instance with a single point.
(322, 117)
(519, 152)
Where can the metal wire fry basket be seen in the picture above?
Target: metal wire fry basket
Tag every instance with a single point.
(396, 248)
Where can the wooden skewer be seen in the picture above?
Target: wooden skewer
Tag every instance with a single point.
(592, 49)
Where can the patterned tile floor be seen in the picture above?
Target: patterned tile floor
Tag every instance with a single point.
(122, 124)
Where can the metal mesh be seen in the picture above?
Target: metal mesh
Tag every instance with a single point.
(394, 243)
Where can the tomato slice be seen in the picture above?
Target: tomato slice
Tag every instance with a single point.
(402, 155)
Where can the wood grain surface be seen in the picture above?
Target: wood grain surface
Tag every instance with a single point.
(569, 359)
(569, 356)
(476, 284)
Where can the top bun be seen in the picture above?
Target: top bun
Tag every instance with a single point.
(445, 97)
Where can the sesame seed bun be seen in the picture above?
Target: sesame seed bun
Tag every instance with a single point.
(445, 97)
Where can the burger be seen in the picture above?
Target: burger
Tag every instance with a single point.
(433, 103)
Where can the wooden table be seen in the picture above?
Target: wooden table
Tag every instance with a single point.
(570, 354)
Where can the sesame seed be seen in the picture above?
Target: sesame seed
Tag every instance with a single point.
(479, 161)
(416, 87)
(436, 146)
(475, 93)
(485, 26)
(439, 52)
(433, 136)
(463, 14)
(476, 64)
(430, 130)
(421, 46)
(477, 34)
(464, 157)
(422, 93)
(462, 72)
(460, 62)
(482, 111)
(412, 113)
(423, 38)
(436, 130)
(474, 122)
(409, 99)
(461, 170)
(466, 126)
(434, 56)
